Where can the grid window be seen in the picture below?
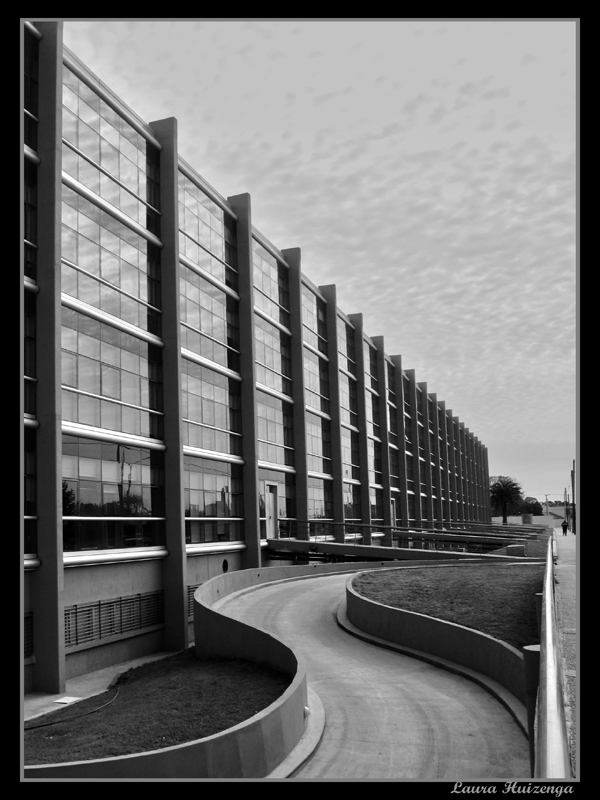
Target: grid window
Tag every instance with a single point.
(104, 480)
(120, 165)
(318, 444)
(210, 409)
(346, 346)
(107, 265)
(271, 284)
(207, 234)
(372, 409)
(314, 320)
(370, 357)
(119, 373)
(30, 88)
(352, 505)
(348, 400)
(320, 499)
(316, 381)
(394, 468)
(212, 489)
(350, 454)
(209, 319)
(273, 356)
(275, 430)
(29, 371)
(391, 382)
(374, 460)
(376, 501)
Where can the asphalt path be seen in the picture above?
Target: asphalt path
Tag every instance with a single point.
(387, 716)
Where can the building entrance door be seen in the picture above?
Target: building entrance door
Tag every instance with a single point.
(271, 511)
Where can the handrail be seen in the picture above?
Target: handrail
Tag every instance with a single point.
(552, 760)
(319, 529)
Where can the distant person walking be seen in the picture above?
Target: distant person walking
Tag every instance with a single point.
(565, 526)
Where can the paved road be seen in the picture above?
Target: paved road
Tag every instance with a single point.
(388, 716)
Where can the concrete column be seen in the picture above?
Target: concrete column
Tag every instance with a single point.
(385, 436)
(464, 473)
(241, 206)
(410, 374)
(467, 465)
(293, 258)
(460, 516)
(434, 444)
(486, 478)
(402, 497)
(427, 454)
(48, 580)
(444, 461)
(452, 482)
(174, 567)
(330, 295)
(365, 498)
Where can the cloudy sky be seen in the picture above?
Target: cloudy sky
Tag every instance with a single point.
(428, 168)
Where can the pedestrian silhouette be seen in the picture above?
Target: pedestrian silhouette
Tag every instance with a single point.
(565, 526)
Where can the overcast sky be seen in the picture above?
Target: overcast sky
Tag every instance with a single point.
(427, 168)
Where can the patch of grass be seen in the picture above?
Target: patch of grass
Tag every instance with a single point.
(497, 599)
(159, 704)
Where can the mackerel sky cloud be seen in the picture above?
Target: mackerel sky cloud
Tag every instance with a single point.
(426, 168)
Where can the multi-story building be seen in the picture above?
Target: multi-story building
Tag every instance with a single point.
(189, 393)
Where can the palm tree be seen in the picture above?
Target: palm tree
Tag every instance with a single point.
(505, 492)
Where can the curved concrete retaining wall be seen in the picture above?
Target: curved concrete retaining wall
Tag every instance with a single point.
(464, 646)
(251, 749)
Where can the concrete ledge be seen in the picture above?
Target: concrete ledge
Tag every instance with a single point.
(451, 644)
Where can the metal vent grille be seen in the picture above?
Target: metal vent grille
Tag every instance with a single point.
(88, 622)
(190, 598)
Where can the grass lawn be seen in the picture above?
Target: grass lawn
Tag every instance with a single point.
(159, 704)
(497, 599)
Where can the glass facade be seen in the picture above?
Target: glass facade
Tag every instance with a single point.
(271, 285)
(207, 235)
(108, 265)
(210, 407)
(209, 320)
(273, 356)
(316, 381)
(213, 496)
(110, 379)
(318, 444)
(320, 499)
(314, 320)
(104, 480)
(275, 429)
(107, 155)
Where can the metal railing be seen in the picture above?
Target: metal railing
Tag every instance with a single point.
(478, 538)
(552, 759)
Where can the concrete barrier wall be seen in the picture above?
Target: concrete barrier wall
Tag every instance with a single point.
(455, 643)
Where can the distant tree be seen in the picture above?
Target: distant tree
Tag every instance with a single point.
(505, 495)
(531, 505)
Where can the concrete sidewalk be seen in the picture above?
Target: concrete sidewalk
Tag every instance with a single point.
(565, 592)
(37, 703)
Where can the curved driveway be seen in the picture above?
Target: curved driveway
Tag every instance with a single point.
(387, 715)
